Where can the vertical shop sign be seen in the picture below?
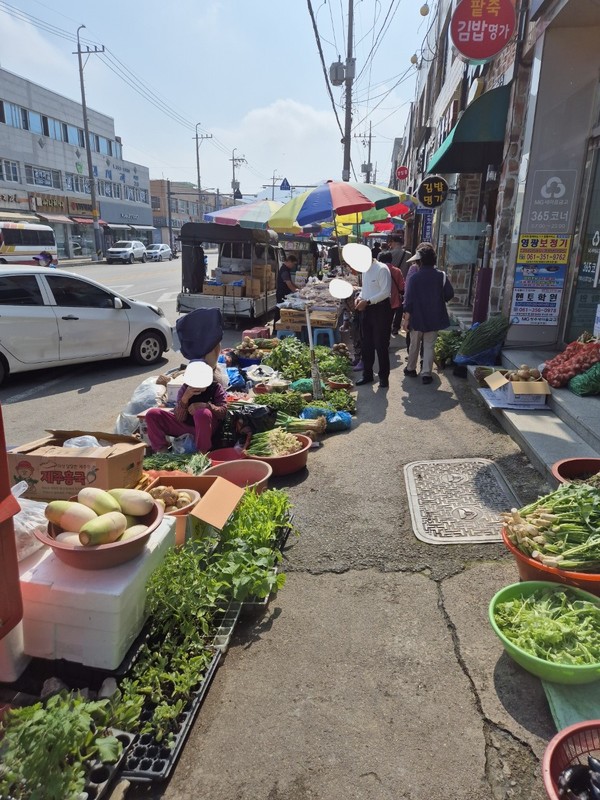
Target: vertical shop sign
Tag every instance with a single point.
(427, 224)
(551, 201)
(539, 279)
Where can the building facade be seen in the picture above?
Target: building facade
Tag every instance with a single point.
(517, 139)
(44, 173)
(175, 203)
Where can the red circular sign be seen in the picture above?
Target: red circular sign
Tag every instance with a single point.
(402, 173)
(480, 29)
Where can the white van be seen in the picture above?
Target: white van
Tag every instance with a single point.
(21, 241)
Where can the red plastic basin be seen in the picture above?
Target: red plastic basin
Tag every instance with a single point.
(225, 454)
(572, 469)
(246, 472)
(285, 465)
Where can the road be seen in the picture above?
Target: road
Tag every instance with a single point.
(90, 396)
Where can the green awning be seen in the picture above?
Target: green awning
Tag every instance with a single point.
(477, 139)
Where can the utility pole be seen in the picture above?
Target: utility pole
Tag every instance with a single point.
(199, 138)
(88, 147)
(236, 162)
(367, 168)
(350, 71)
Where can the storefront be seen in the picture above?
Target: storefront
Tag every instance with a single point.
(52, 210)
(14, 207)
(127, 221)
(81, 233)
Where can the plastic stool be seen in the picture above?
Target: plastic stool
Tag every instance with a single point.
(285, 334)
(328, 332)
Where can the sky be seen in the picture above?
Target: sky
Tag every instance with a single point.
(247, 71)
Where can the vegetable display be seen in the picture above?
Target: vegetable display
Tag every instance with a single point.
(553, 624)
(489, 334)
(561, 529)
(195, 463)
(576, 358)
(275, 442)
(292, 359)
(580, 782)
(295, 425)
(446, 346)
(169, 498)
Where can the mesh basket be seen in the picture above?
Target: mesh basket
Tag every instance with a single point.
(571, 746)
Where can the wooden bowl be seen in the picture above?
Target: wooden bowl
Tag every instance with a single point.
(102, 556)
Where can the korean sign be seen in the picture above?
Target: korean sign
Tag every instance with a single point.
(539, 248)
(539, 278)
(432, 191)
(480, 29)
(535, 306)
(551, 201)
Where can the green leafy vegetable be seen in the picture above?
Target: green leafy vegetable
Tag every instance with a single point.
(553, 624)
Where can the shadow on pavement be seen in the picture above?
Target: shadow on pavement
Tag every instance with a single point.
(523, 697)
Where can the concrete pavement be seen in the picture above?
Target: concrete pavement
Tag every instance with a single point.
(375, 673)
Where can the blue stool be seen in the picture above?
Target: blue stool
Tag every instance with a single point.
(328, 332)
(285, 334)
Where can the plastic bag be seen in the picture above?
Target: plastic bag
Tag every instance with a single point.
(82, 441)
(304, 385)
(587, 383)
(183, 444)
(145, 396)
(487, 358)
(237, 381)
(30, 517)
(336, 420)
(253, 419)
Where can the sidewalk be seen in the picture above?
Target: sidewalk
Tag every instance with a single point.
(375, 673)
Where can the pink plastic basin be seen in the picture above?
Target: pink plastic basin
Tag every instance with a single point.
(247, 472)
(225, 454)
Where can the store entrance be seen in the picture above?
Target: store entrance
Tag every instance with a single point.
(585, 300)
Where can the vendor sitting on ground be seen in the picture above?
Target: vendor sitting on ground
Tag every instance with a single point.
(200, 408)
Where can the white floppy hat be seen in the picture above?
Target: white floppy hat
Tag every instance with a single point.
(198, 375)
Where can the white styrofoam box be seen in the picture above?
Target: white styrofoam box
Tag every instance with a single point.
(88, 616)
(173, 387)
(12, 656)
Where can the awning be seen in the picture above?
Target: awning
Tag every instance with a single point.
(477, 139)
(143, 227)
(118, 226)
(57, 218)
(18, 216)
(87, 221)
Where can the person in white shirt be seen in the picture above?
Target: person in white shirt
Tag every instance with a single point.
(376, 322)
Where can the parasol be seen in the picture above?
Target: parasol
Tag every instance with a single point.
(249, 215)
(325, 202)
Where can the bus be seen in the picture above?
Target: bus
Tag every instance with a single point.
(21, 241)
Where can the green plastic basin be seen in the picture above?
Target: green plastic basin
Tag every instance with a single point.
(547, 670)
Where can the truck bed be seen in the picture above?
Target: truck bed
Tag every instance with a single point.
(231, 307)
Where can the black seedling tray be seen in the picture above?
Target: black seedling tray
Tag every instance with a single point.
(149, 760)
(102, 776)
(283, 533)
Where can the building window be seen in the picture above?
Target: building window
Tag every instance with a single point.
(24, 119)
(103, 145)
(117, 190)
(155, 201)
(118, 150)
(143, 195)
(35, 122)
(55, 129)
(77, 183)
(81, 136)
(9, 170)
(12, 115)
(42, 177)
(129, 193)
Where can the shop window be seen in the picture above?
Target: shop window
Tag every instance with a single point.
(73, 293)
(20, 290)
(9, 171)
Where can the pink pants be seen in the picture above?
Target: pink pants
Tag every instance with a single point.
(162, 423)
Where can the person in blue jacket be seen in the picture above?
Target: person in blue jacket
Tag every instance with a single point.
(425, 298)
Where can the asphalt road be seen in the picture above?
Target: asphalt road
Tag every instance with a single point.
(90, 396)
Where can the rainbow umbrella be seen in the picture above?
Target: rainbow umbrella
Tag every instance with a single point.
(325, 202)
(249, 215)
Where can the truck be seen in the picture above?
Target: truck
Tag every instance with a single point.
(247, 255)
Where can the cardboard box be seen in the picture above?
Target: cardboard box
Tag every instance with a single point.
(216, 290)
(54, 472)
(228, 277)
(518, 393)
(253, 287)
(289, 326)
(235, 291)
(262, 270)
(218, 500)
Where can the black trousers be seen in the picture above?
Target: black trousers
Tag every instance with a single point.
(376, 328)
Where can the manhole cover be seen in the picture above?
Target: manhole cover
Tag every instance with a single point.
(458, 500)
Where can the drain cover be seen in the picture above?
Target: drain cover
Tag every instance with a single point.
(458, 500)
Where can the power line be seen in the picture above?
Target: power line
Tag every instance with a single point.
(321, 56)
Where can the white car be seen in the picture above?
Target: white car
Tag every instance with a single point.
(51, 318)
(159, 252)
(127, 252)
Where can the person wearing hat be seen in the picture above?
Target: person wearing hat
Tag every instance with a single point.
(46, 259)
(374, 304)
(199, 410)
(427, 292)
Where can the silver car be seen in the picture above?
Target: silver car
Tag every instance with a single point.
(159, 252)
(126, 252)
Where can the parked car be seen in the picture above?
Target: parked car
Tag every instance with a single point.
(159, 252)
(51, 318)
(127, 252)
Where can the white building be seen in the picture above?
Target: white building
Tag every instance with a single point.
(44, 173)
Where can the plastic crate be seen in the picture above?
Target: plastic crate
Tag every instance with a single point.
(149, 760)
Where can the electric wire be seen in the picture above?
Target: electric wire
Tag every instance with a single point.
(322, 57)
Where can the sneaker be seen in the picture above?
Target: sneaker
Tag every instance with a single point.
(427, 379)
(410, 373)
(363, 381)
(384, 383)
(358, 367)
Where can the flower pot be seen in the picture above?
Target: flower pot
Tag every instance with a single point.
(572, 469)
(286, 465)
(245, 472)
(532, 570)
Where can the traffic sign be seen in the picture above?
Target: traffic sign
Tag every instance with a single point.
(285, 186)
(402, 173)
